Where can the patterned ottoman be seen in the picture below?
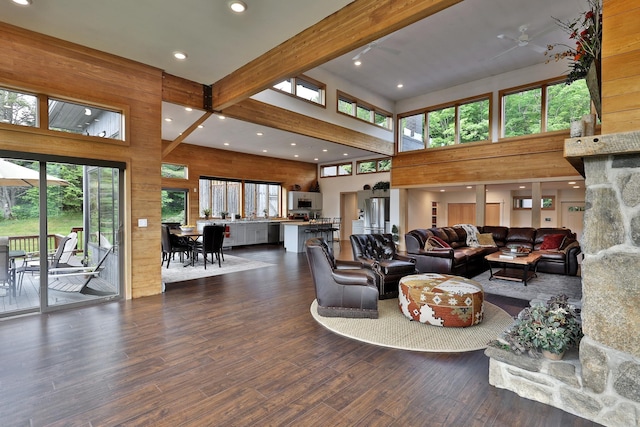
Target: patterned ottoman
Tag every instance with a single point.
(441, 299)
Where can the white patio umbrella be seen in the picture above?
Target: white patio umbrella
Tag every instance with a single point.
(12, 175)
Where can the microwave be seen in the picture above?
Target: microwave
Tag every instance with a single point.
(304, 204)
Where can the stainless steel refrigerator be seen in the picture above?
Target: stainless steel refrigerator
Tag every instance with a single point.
(376, 214)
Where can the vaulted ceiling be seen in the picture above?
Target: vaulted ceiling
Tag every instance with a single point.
(457, 45)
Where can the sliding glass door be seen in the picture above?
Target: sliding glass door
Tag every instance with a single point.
(64, 233)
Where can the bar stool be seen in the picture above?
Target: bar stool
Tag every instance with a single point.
(335, 229)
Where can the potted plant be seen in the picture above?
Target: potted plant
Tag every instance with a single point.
(381, 185)
(224, 214)
(266, 213)
(395, 236)
(550, 329)
(206, 212)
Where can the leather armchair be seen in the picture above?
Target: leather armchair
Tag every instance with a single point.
(343, 288)
(378, 253)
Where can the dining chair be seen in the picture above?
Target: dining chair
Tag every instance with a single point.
(171, 245)
(212, 240)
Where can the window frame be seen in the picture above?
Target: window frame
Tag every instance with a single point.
(456, 105)
(337, 166)
(322, 88)
(373, 110)
(185, 168)
(517, 207)
(543, 85)
(377, 162)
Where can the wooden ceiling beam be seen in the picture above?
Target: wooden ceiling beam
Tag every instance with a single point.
(253, 111)
(355, 25)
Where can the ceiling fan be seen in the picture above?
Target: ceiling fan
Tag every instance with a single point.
(376, 45)
(523, 40)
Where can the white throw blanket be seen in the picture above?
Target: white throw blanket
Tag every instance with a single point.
(472, 234)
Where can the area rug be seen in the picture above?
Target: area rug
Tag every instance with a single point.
(539, 288)
(231, 264)
(393, 329)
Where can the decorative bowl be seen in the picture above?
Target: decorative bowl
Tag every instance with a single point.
(186, 228)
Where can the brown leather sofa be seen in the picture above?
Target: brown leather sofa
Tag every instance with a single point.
(462, 260)
(377, 252)
(343, 288)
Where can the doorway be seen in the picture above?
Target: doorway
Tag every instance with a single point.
(64, 232)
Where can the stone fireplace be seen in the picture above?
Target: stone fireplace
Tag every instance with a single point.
(601, 381)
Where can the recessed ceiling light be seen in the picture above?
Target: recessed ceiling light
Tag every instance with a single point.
(259, 133)
(345, 154)
(188, 109)
(238, 6)
(442, 191)
(315, 159)
(295, 155)
(226, 143)
(168, 119)
(264, 151)
(522, 186)
(180, 55)
(200, 126)
(469, 187)
(357, 63)
(400, 85)
(571, 182)
(22, 2)
(221, 117)
(325, 150)
(293, 143)
(576, 186)
(87, 112)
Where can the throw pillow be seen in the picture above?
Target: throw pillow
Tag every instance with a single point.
(435, 242)
(551, 242)
(486, 240)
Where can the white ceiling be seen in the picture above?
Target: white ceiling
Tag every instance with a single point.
(452, 47)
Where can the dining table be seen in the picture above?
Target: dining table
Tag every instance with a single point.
(192, 236)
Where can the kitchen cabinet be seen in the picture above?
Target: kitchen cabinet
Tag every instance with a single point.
(304, 200)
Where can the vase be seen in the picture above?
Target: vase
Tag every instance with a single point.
(552, 356)
(594, 81)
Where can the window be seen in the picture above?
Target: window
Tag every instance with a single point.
(412, 132)
(546, 203)
(238, 197)
(303, 87)
(343, 169)
(170, 170)
(566, 103)
(353, 107)
(85, 119)
(546, 107)
(174, 205)
(373, 166)
(442, 127)
(18, 108)
(458, 123)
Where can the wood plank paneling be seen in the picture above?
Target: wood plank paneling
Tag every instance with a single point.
(203, 161)
(620, 64)
(42, 64)
(178, 90)
(536, 157)
(261, 113)
(353, 26)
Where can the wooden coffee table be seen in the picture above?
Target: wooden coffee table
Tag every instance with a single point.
(519, 268)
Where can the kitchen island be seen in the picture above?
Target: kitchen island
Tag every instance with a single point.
(296, 234)
(248, 232)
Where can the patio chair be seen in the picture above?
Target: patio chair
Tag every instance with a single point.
(62, 257)
(6, 271)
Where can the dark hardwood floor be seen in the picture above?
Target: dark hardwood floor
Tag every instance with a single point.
(239, 350)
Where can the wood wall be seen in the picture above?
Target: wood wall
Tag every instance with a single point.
(203, 161)
(40, 64)
(620, 66)
(523, 158)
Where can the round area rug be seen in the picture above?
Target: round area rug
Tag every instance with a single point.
(393, 329)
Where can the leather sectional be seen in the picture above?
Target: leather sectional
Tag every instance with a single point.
(462, 260)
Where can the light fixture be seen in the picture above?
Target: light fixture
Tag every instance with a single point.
(345, 154)
(571, 182)
(188, 109)
(168, 119)
(259, 133)
(23, 2)
(295, 155)
(226, 143)
(237, 6)
(181, 56)
(221, 117)
(315, 159)
(442, 191)
(200, 126)
(400, 86)
(324, 150)
(87, 111)
(293, 143)
(357, 63)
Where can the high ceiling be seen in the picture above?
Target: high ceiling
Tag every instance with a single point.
(458, 45)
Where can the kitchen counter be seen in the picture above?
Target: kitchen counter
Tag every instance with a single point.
(249, 232)
(296, 234)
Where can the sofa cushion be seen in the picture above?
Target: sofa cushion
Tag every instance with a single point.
(394, 266)
(486, 240)
(552, 241)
